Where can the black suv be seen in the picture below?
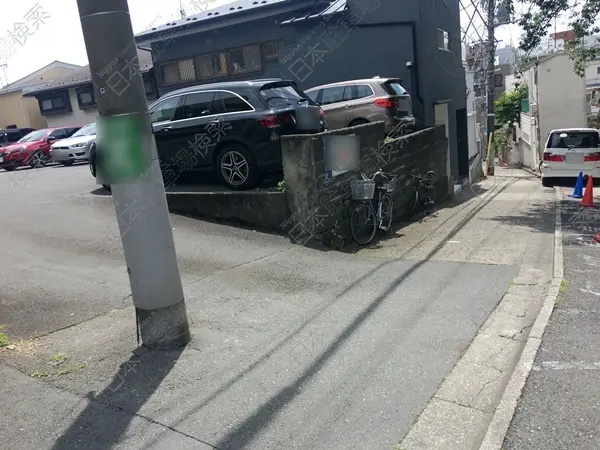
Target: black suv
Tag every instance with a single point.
(9, 136)
(233, 128)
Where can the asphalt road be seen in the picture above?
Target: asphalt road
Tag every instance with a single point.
(61, 253)
(560, 405)
(293, 348)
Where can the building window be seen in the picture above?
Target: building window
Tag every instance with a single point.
(57, 103)
(269, 50)
(211, 66)
(598, 70)
(443, 40)
(179, 72)
(220, 64)
(245, 60)
(86, 97)
(498, 80)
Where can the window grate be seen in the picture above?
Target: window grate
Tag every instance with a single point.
(245, 60)
(170, 73)
(187, 71)
(269, 50)
(211, 66)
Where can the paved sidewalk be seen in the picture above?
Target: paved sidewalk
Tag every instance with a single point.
(298, 348)
(560, 404)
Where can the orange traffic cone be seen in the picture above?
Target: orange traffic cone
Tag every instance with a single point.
(588, 196)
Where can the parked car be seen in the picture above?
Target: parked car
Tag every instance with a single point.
(569, 151)
(233, 128)
(9, 136)
(33, 149)
(356, 102)
(76, 148)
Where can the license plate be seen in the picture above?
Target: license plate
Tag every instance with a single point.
(574, 158)
(1, 160)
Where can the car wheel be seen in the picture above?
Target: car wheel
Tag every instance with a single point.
(67, 163)
(237, 168)
(547, 182)
(36, 160)
(357, 122)
(9, 168)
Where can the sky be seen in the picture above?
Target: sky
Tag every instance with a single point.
(49, 30)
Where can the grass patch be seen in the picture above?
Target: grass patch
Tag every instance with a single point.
(561, 291)
(40, 374)
(71, 369)
(58, 357)
(4, 341)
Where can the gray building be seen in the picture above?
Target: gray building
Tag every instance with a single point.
(317, 41)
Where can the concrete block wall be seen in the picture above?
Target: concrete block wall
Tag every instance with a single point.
(317, 202)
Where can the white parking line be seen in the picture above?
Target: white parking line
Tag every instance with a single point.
(557, 365)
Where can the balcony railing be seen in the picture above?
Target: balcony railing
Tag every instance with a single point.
(592, 82)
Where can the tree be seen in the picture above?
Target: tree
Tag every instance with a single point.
(507, 107)
(540, 17)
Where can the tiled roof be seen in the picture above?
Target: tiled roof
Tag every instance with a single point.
(227, 10)
(83, 76)
(337, 6)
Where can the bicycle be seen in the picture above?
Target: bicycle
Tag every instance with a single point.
(423, 194)
(375, 207)
(336, 240)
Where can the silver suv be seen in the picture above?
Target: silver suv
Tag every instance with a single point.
(356, 102)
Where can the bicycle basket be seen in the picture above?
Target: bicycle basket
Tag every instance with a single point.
(362, 189)
(390, 186)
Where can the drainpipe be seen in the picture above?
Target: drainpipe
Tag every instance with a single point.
(27, 123)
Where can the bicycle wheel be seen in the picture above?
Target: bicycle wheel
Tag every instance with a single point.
(429, 203)
(413, 204)
(386, 208)
(363, 223)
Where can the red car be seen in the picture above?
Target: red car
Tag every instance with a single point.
(33, 149)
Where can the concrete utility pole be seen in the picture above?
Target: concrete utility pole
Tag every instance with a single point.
(128, 161)
(491, 50)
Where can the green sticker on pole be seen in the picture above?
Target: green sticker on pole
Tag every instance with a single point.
(121, 148)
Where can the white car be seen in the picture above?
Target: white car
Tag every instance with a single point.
(76, 148)
(569, 151)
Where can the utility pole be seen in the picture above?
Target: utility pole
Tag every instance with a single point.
(128, 161)
(491, 51)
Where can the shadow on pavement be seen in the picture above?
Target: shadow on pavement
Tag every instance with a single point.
(540, 218)
(244, 433)
(100, 425)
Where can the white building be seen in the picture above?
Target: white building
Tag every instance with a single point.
(557, 99)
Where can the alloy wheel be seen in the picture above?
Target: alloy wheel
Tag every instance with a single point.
(234, 168)
(37, 160)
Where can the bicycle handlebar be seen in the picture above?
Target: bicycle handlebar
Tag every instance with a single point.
(420, 178)
(379, 173)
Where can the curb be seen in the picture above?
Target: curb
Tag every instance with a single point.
(494, 438)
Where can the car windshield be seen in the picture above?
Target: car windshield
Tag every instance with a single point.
(33, 136)
(283, 95)
(574, 139)
(87, 130)
(394, 88)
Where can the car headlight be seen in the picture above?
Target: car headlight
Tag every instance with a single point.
(18, 150)
(82, 144)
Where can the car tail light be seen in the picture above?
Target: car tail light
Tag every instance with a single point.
(275, 121)
(592, 157)
(553, 158)
(384, 103)
(269, 122)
